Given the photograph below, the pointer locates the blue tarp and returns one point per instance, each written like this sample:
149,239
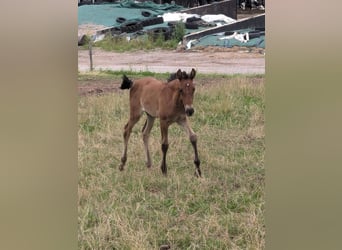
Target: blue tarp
106,14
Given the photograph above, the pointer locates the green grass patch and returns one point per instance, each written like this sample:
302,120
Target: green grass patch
139,208
112,75
117,74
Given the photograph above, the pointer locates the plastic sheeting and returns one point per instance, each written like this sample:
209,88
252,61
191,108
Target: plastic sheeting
240,38
107,14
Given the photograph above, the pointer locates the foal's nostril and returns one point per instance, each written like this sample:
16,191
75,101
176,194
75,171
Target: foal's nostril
189,111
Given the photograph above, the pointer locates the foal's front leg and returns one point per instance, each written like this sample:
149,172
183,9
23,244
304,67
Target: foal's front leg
193,139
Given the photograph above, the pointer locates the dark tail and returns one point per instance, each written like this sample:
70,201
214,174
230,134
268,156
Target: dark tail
126,83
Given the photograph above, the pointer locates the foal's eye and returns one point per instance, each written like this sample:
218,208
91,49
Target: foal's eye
180,91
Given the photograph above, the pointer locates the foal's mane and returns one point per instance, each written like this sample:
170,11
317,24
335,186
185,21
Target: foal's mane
173,76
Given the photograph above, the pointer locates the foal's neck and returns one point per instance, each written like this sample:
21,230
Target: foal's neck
174,84
174,92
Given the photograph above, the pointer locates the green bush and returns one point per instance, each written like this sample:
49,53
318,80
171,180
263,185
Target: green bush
179,31
142,42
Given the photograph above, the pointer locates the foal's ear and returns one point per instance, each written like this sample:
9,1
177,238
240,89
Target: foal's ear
179,74
192,74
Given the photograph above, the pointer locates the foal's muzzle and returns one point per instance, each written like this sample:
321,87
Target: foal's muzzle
189,111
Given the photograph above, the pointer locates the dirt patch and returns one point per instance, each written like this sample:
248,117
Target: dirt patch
97,87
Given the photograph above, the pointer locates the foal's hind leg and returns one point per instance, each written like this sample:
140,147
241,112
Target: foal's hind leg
146,134
127,132
193,139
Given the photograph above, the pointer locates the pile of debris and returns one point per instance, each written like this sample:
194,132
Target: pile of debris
131,19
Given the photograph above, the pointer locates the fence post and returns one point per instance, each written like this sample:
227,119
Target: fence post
91,52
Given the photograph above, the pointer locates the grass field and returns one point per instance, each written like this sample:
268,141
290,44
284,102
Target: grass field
139,208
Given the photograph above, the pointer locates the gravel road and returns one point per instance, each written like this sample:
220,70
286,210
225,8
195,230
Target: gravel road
209,60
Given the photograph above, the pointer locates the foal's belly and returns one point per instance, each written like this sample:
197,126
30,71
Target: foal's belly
150,108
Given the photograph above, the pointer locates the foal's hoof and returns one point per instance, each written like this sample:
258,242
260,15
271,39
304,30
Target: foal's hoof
165,247
198,173
121,167
163,169
164,173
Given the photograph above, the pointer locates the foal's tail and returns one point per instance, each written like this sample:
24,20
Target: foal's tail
126,83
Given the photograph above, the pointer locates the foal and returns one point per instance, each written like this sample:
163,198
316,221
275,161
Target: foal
171,102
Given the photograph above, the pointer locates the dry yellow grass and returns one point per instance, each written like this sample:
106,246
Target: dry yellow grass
140,209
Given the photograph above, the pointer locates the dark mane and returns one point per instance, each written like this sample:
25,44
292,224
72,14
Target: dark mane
173,76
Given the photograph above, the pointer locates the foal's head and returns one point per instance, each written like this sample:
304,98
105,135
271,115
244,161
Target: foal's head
186,89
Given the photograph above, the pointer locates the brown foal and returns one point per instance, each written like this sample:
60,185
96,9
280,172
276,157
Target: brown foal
170,102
